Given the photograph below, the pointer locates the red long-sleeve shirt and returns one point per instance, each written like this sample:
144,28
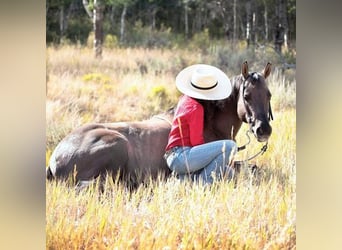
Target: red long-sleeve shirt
187,124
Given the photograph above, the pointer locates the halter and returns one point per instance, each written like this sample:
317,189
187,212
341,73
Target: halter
249,121
248,111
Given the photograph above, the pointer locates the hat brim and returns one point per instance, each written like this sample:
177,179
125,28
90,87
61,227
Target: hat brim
221,91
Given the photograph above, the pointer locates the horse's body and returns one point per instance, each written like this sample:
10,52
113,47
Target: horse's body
134,150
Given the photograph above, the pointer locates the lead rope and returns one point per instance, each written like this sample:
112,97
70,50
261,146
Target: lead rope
262,150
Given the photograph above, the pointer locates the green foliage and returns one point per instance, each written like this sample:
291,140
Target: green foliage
290,56
206,20
146,37
227,58
158,91
160,99
97,78
110,41
90,39
78,30
200,41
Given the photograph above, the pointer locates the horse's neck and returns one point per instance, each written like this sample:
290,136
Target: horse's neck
230,111
226,122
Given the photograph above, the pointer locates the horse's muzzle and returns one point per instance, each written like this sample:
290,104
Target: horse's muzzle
262,130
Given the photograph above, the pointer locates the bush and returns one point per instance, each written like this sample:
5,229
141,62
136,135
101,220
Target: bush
110,41
229,59
146,37
160,99
97,78
78,30
200,41
90,39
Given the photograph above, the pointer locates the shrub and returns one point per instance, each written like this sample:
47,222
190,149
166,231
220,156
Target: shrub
96,78
110,41
90,39
146,37
200,41
160,99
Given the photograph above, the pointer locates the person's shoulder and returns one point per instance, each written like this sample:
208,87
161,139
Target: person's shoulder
187,105
188,101
193,105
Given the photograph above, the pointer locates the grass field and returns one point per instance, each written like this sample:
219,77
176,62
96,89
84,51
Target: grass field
133,84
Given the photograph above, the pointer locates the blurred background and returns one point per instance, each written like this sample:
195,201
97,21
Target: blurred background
268,25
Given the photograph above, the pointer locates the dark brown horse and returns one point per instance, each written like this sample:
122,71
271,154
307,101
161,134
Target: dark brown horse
134,150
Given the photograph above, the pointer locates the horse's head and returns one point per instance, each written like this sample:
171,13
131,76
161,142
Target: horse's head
254,105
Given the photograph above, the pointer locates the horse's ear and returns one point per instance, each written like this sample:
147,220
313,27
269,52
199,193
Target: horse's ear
244,70
267,70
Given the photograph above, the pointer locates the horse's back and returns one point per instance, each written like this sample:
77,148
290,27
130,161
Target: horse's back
135,149
89,151
147,141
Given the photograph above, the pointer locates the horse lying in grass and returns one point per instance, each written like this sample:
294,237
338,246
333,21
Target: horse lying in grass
133,151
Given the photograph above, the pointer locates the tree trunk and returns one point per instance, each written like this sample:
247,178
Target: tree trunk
265,21
234,22
61,22
122,27
111,18
64,17
281,26
254,33
248,22
283,18
154,9
186,21
87,9
98,27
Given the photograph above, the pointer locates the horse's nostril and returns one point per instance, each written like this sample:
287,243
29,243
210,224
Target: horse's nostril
259,131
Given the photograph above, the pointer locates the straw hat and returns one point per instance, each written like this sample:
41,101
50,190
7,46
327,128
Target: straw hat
202,81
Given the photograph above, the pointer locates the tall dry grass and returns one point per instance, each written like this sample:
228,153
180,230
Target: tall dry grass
133,84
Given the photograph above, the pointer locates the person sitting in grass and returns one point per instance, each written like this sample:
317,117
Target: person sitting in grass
187,154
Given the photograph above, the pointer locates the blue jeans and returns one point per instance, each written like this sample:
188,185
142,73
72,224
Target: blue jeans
203,161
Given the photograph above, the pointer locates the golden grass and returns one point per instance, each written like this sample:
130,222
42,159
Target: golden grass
171,215
164,214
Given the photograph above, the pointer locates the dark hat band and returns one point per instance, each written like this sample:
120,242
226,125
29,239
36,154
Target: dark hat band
204,88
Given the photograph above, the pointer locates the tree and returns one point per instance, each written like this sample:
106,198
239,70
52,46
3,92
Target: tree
281,26
63,12
95,11
186,18
124,4
265,21
249,20
98,27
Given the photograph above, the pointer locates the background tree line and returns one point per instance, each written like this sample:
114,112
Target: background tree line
157,23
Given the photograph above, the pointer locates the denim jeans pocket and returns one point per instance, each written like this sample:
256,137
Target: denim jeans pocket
176,161
172,157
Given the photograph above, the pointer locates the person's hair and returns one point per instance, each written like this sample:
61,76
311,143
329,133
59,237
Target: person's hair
210,107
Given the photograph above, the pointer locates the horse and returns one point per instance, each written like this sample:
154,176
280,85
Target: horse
133,151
